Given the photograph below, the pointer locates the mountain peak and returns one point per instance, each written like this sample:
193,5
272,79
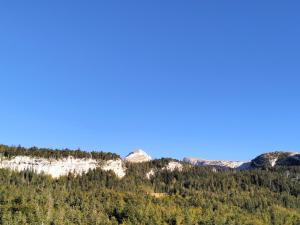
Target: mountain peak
281,158
137,156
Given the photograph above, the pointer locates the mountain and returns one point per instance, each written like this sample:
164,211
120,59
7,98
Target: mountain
103,188
137,156
266,160
57,163
278,158
215,163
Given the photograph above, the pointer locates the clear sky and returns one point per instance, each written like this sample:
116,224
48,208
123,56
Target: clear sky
210,79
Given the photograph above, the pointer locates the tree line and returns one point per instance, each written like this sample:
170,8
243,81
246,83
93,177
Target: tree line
11,151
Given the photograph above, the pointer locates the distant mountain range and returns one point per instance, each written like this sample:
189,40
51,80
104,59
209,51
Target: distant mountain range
78,162
271,159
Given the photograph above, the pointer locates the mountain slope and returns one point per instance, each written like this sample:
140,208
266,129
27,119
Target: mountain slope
159,191
278,158
62,162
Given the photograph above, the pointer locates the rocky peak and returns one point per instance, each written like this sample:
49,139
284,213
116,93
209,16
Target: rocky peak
137,156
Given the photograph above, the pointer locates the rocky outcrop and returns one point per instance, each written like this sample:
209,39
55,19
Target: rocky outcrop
150,174
64,166
171,166
191,160
117,166
53,167
137,157
215,163
61,167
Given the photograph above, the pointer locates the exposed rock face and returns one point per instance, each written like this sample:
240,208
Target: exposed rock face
53,167
116,166
150,173
191,160
78,166
173,166
137,157
272,159
215,163
60,167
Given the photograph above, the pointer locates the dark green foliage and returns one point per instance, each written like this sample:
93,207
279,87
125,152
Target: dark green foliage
196,195
10,151
291,160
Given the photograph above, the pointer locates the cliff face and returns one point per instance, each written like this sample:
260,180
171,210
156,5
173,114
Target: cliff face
65,165
117,166
61,167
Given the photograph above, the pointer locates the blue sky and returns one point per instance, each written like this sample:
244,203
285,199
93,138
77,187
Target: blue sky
212,79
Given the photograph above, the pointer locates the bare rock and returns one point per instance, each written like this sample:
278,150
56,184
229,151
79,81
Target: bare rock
137,157
215,163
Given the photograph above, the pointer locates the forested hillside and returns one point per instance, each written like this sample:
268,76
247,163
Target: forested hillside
196,195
